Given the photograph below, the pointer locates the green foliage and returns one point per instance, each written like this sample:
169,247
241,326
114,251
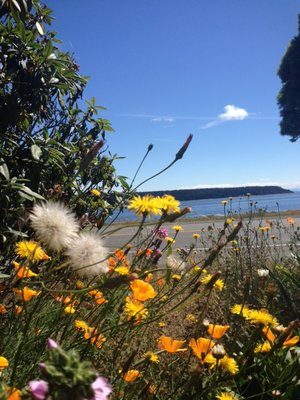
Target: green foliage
67,375
51,142
289,95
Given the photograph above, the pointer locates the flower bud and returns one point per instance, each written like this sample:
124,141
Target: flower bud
183,149
38,389
51,344
218,351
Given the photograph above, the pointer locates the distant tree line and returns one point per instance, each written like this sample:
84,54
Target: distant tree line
215,193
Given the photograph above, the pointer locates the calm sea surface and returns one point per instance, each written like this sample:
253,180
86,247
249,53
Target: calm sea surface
271,202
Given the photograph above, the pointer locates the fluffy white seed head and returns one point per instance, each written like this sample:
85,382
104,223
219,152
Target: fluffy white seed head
218,351
88,256
176,264
54,224
263,273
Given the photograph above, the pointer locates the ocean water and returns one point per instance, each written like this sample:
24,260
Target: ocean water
270,203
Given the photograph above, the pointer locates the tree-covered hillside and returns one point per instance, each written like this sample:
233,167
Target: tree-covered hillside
214,193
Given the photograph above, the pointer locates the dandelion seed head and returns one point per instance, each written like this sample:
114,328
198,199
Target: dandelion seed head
175,263
88,255
54,224
263,273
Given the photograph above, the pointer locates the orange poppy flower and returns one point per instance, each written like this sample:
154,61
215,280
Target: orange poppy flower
201,347
269,334
23,272
94,337
99,298
3,309
119,254
170,345
142,291
13,394
112,262
291,221
149,252
149,277
3,363
289,341
26,293
161,282
217,331
131,375
18,309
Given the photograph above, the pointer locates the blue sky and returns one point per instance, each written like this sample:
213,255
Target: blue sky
167,68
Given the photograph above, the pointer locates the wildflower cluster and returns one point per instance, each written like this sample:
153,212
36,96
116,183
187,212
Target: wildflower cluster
149,205
216,318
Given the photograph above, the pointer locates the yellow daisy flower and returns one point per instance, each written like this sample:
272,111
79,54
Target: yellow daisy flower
152,357
226,396
170,240
229,364
146,205
96,192
168,204
134,309
219,284
177,228
122,270
31,251
261,317
264,347
240,309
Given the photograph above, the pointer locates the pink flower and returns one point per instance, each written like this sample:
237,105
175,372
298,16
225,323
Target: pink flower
38,389
101,388
161,233
42,366
51,344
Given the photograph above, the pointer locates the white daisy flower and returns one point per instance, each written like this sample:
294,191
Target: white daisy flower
54,224
88,256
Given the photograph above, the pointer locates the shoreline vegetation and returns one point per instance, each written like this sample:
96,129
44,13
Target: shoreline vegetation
215,193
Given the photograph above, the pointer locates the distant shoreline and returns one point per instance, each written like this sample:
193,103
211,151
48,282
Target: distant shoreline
216,193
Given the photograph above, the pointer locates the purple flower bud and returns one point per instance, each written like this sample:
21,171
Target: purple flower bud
42,366
51,344
38,389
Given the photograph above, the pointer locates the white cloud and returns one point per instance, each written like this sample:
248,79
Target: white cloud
232,113
163,119
209,186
